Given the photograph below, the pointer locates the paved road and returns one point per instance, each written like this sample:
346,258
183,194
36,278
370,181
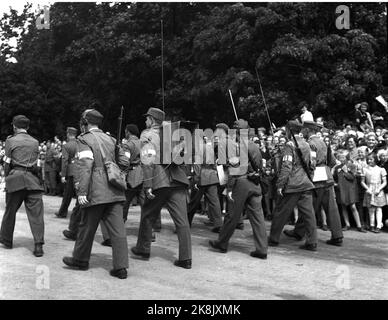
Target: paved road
359,270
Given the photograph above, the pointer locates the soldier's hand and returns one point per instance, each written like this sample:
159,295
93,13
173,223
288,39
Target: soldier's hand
149,194
63,179
196,187
280,192
82,200
230,196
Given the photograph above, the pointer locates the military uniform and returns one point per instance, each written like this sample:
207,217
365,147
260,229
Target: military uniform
247,197
297,191
324,195
50,170
22,184
168,184
134,175
206,178
69,151
104,200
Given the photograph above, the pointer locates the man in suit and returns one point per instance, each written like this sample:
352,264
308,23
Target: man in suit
164,185
23,184
324,195
100,199
294,188
67,172
244,194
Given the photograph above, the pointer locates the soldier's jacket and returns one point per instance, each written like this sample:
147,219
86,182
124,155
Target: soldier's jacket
292,177
135,173
69,151
158,175
205,174
318,146
21,163
91,178
255,161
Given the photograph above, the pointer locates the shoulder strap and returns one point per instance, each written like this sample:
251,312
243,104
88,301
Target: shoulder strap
99,145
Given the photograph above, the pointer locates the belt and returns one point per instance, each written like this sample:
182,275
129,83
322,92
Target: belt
20,168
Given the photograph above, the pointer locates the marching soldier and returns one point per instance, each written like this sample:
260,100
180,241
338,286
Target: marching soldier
50,169
69,151
134,176
100,199
206,183
324,195
76,214
164,185
294,188
135,173
244,194
22,184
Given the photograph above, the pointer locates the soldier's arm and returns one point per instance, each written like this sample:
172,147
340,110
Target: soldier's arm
65,161
196,173
84,167
7,157
147,153
286,167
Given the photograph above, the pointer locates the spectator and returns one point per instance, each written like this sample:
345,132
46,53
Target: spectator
362,116
374,179
306,114
345,177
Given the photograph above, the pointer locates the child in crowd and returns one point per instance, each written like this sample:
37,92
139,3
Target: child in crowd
360,165
374,179
345,176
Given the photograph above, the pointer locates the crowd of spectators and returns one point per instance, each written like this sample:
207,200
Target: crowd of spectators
360,147
361,151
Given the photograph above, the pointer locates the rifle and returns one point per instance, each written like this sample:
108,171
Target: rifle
234,108
118,140
265,105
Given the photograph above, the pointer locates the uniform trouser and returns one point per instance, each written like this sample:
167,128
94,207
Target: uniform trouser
68,194
211,194
130,194
112,215
51,178
283,210
324,197
34,208
75,219
175,199
246,197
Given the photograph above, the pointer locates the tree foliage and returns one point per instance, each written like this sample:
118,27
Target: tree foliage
111,53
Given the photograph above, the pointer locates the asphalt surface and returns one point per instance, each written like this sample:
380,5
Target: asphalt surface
358,270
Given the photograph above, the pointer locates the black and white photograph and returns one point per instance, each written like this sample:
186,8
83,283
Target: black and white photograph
207,152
